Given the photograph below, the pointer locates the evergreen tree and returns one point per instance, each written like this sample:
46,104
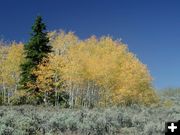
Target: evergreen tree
35,50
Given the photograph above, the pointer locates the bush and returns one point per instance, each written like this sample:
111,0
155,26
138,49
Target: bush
135,119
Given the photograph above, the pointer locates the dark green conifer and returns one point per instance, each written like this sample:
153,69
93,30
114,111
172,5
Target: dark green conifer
35,50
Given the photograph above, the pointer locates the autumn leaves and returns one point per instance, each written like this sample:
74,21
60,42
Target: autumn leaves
103,72
89,73
93,72
10,59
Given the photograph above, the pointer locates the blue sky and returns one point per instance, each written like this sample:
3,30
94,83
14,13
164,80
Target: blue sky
151,28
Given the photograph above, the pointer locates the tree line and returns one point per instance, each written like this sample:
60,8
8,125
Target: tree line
57,68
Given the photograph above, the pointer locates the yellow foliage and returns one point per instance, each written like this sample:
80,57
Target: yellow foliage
121,77
48,73
61,41
99,72
168,103
10,59
11,64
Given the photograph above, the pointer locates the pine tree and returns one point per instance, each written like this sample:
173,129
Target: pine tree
35,50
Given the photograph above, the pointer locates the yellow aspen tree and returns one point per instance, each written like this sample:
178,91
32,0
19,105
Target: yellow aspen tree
49,80
61,41
12,66
106,68
11,69
3,55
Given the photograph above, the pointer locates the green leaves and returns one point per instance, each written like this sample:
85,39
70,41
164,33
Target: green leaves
35,50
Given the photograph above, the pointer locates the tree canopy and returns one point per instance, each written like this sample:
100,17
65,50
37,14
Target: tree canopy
60,69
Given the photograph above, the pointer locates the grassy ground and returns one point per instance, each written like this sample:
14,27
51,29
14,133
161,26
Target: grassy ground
133,120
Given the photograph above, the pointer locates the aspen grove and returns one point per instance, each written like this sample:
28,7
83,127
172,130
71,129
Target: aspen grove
95,72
